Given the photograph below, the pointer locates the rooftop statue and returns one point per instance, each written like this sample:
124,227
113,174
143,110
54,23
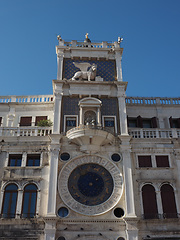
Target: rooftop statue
85,74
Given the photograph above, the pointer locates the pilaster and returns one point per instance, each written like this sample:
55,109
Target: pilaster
60,56
118,66
54,156
57,108
122,109
127,171
11,117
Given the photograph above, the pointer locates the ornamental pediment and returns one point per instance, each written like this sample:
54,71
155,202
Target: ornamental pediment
89,101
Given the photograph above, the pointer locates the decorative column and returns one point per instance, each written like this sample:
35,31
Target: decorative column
98,117
57,108
118,65
127,171
122,109
80,116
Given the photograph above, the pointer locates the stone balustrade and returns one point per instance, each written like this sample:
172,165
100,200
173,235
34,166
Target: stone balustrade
89,44
129,100
152,101
44,131
27,99
25,131
154,133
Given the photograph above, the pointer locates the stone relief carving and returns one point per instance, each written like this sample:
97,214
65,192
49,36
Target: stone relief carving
85,74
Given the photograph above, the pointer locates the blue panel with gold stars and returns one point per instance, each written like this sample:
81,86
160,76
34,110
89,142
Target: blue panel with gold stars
105,68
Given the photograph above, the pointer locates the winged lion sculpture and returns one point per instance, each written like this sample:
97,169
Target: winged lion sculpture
85,74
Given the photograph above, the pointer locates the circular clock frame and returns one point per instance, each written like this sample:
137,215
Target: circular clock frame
105,166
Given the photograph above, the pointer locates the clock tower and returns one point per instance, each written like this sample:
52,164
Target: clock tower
90,192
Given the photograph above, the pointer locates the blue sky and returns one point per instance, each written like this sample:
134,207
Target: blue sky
150,28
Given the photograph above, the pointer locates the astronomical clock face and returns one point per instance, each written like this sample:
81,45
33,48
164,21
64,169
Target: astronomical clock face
90,185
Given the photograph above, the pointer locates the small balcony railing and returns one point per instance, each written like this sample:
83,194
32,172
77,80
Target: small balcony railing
154,133
84,127
25,131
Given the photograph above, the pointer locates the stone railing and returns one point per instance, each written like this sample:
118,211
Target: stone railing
154,133
84,127
152,101
25,131
89,44
27,99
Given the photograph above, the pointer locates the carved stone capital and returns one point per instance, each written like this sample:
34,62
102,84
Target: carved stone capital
58,94
60,54
11,116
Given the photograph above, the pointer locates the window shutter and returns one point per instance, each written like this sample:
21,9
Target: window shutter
149,202
168,201
139,122
25,121
162,161
0,120
154,122
171,122
39,118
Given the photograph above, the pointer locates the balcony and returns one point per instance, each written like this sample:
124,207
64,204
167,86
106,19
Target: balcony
91,136
25,131
154,133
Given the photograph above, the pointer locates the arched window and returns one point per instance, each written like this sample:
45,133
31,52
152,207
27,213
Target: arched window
149,202
29,201
168,201
10,201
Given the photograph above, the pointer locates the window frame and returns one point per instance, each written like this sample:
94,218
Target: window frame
140,121
174,121
115,122
5,192
161,155
29,192
153,160
69,116
144,155
143,200
14,154
33,156
29,117
164,201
